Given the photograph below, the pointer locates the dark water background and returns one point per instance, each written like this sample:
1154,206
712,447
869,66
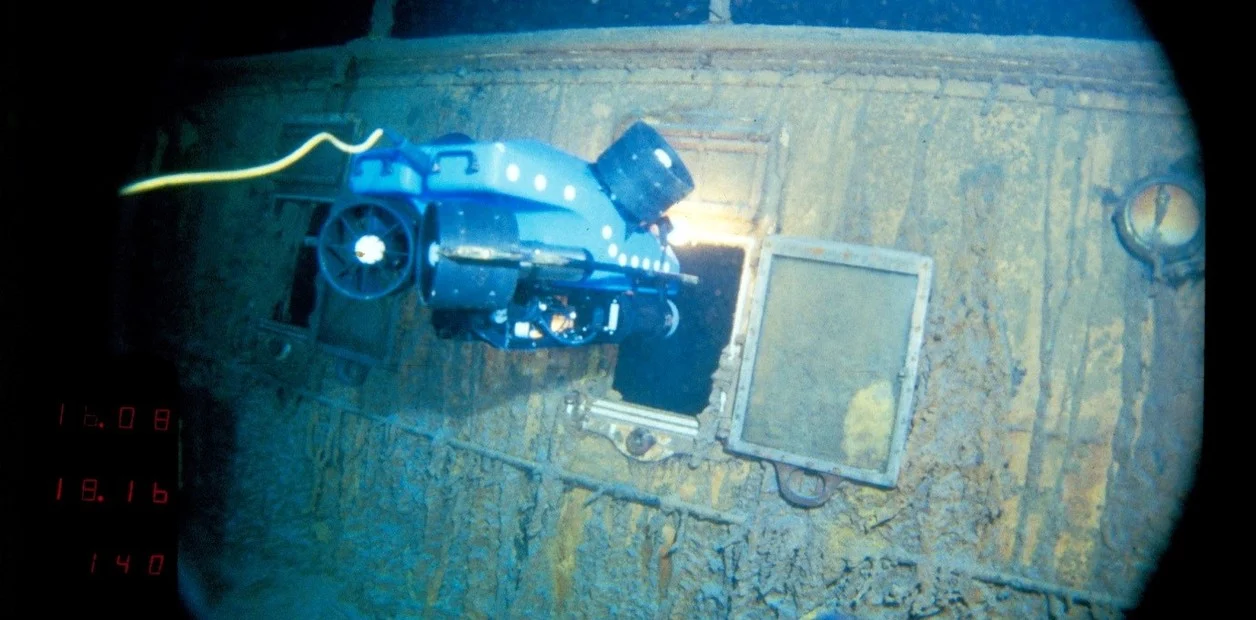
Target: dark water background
234,27
1100,19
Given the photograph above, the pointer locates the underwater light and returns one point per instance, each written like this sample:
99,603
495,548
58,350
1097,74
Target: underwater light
691,223
681,233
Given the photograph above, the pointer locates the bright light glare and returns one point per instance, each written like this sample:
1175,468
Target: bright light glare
680,234
694,224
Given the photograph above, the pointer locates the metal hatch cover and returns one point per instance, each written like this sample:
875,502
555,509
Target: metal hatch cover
828,372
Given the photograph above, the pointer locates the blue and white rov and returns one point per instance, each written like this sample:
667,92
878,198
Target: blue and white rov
514,243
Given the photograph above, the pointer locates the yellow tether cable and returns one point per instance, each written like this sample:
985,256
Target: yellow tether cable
188,178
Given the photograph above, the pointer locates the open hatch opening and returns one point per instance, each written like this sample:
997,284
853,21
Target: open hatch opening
675,374
303,294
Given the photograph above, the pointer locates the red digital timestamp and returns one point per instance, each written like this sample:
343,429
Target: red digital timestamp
89,490
120,564
124,418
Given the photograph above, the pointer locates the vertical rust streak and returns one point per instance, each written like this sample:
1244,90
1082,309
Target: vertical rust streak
854,175
1043,554
1077,254
1033,469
